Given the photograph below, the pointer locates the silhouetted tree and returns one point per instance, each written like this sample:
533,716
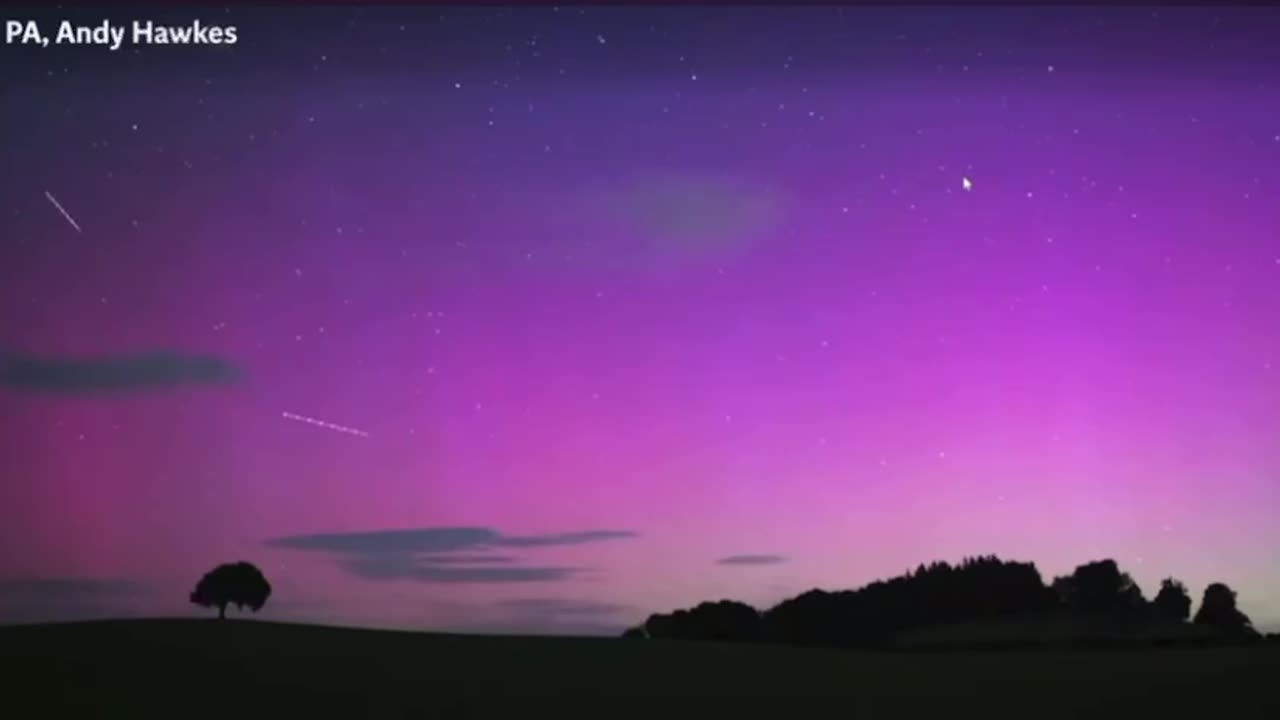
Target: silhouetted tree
635,633
725,621
1173,602
240,584
1099,587
977,588
1218,610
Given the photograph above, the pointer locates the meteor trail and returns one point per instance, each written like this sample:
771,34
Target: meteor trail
323,424
62,210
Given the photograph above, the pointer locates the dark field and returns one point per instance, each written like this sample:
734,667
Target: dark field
243,669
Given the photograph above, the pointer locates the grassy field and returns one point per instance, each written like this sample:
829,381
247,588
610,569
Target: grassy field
242,669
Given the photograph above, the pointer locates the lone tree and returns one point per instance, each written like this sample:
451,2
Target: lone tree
1218,610
1173,602
240,584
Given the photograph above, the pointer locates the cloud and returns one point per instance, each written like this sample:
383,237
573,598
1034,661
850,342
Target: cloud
551,606
67,586
525,627
433,540
706,210
53,599
442,539
443,554
658,220
430,570
751,560
472,559
575,538
102,374
545,616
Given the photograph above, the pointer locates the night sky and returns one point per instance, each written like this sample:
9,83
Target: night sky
611,311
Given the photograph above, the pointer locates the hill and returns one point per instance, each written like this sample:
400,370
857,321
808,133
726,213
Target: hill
243,669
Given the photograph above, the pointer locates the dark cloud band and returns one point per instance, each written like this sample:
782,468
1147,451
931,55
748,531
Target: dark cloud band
751,560
124,372
433,555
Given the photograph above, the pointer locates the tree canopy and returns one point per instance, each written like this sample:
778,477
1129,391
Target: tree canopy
1218,610
1173,602
240,584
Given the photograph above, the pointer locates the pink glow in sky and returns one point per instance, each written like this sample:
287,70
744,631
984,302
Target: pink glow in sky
710,288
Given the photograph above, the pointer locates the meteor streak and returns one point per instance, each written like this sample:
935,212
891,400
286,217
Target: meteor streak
323,424
62,210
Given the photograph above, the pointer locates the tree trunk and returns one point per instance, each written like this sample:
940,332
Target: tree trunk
222,612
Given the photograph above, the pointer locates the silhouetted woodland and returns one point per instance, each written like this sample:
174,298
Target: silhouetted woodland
1096,600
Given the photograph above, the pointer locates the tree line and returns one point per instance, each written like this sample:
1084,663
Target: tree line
1097,596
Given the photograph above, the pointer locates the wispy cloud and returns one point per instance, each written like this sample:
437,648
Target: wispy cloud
437,539
573,538
546,616
52,599
662,220
444,554
430,570
472,559
425,540
112,373
560,606
751,560
684,209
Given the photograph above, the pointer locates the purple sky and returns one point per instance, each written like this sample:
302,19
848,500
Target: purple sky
619,294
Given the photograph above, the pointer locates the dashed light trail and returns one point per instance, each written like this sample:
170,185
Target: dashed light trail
63,210
323,424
